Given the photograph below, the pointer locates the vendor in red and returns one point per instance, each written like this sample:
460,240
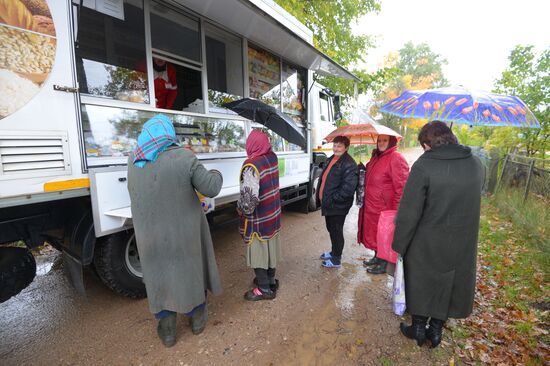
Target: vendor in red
166,87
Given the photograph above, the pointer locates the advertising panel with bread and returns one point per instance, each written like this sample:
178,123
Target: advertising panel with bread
27,51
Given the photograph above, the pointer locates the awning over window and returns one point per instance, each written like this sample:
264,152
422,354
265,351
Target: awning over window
262,23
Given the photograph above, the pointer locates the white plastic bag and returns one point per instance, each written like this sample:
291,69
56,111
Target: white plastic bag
399,304
208,204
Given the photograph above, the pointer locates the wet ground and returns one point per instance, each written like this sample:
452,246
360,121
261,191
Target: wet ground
320,316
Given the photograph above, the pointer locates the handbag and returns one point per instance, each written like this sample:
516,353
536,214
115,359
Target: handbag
399,303
384,236
360,190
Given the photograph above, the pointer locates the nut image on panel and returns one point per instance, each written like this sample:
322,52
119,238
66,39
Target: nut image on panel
27,51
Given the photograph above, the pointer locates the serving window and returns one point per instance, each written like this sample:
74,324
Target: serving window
176,60
264,76
110,53
293,92
174,33
224,65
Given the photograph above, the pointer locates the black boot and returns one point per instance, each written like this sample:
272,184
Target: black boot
417,330
434,332
372,262
379,268
198,319
273,286
166,330
258,293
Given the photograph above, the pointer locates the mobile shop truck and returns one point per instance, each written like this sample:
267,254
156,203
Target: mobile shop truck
79,78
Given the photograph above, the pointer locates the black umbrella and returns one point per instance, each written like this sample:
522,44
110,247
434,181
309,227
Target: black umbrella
270,117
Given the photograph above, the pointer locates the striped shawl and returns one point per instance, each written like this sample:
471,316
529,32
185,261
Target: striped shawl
263,219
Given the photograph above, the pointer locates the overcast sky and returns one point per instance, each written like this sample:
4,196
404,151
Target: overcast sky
475,36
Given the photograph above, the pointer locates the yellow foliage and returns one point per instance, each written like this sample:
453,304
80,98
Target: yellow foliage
423,83
414,122
407,81
391,94
390,60
422,61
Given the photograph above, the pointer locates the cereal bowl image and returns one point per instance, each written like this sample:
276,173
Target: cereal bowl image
27,51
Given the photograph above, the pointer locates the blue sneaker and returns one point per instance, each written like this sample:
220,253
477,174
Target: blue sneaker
326,255
328,264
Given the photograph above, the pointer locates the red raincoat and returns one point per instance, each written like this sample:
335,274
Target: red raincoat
385,178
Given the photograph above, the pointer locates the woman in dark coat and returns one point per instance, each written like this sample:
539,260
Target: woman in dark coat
436,232
334,194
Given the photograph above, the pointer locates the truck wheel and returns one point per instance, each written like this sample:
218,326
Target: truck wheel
312,201
116,261
17,270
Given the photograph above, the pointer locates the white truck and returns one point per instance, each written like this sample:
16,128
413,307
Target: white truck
78,78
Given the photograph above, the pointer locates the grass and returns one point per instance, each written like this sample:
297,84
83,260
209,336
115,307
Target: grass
531,218
517,250
385,361
461,333
523,327
439,354
513,288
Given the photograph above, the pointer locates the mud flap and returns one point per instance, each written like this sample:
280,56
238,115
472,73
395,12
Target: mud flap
73,271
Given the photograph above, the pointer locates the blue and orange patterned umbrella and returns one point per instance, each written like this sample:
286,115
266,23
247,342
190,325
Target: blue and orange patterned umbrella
460,105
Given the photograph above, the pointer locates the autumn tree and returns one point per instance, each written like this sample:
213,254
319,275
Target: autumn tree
528,78
418,67
331,23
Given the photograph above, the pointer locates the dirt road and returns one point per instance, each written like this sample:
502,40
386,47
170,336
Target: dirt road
320,316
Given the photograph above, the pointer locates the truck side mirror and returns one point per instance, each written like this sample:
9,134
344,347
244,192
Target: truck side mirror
336,102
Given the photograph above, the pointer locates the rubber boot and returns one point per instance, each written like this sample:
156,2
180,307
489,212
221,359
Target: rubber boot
273,286
372,262
258,293
198,319
417,330
379,268
166,330
434,333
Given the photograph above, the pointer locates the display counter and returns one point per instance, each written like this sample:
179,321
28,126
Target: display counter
110,133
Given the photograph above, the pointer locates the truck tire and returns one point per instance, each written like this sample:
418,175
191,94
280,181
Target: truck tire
116,261
17,270
312,200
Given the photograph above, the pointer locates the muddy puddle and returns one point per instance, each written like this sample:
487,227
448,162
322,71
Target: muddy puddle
47,258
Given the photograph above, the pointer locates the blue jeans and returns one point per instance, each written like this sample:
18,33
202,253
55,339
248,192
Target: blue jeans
164,313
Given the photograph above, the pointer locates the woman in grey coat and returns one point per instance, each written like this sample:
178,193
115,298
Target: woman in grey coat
172,233
436,232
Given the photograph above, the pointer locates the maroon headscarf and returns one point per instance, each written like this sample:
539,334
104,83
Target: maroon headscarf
392,143
257,144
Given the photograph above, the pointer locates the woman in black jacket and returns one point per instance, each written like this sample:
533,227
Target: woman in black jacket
335,193
436,232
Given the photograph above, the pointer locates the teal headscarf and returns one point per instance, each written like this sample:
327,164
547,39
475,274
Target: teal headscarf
157,135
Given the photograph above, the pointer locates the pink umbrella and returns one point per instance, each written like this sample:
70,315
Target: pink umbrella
363,133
